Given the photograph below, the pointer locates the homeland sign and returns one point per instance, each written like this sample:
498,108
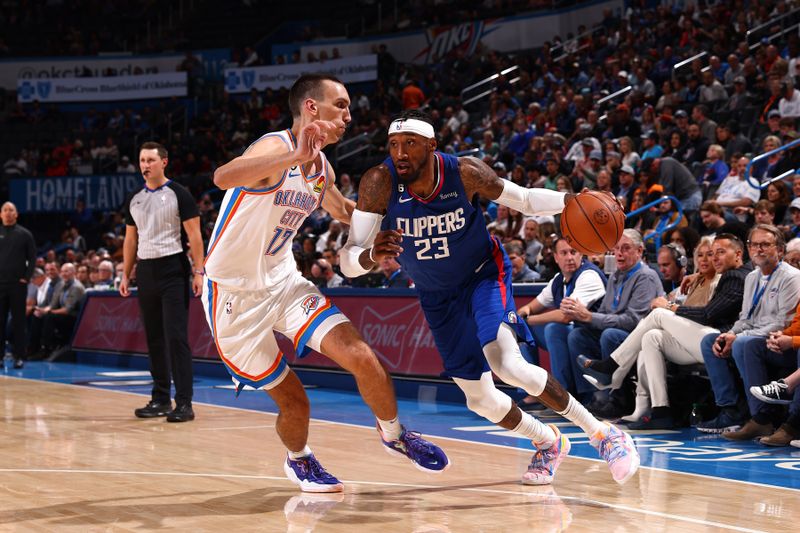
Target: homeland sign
103,193
349,70
140,87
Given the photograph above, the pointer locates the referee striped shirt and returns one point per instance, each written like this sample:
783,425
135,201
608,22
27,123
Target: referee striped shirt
158,215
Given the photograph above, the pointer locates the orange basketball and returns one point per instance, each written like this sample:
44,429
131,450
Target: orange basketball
592,222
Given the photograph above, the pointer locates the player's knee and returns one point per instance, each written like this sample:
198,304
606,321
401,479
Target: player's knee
493,406
484,399
361,360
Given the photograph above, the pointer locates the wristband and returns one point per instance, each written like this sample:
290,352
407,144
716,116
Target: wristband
201,272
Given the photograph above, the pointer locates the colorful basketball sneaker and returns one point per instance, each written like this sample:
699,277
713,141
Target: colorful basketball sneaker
309,475
545,462
425,455
618,450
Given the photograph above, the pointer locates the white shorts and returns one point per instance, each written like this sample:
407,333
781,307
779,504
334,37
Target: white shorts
243,325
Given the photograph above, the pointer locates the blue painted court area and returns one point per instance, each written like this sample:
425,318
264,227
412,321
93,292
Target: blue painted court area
684,451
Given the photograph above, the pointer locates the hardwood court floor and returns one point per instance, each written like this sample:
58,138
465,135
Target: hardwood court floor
75,459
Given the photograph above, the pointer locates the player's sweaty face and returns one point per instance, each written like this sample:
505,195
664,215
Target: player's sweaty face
409,153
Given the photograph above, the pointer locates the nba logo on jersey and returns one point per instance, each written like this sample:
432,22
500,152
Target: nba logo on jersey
319,185
228,308
512,317
310,303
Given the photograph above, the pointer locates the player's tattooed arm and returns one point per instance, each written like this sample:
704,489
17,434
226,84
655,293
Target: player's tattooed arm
478,178
374,190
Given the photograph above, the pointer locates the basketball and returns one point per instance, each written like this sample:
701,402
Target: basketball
592,222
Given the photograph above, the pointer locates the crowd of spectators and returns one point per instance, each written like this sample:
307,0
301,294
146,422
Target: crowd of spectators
688,133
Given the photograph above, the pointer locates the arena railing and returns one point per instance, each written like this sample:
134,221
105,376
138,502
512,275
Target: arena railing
609,98
350,147
752,36
656,235
486,81
759,185
687,61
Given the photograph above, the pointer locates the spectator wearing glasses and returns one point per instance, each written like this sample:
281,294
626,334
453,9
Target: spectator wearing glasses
629,292
771,293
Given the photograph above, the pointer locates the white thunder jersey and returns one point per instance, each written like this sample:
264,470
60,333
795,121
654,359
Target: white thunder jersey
251,247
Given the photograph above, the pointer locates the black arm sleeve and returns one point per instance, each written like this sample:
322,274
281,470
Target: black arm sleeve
187,207
126,210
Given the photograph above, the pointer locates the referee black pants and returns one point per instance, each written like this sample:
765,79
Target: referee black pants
12,298
164,303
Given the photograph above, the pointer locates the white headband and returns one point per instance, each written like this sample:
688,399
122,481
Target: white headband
411,125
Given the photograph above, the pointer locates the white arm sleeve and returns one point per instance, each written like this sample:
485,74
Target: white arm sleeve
531,201
364,226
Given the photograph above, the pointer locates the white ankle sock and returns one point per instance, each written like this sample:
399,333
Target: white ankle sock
543,436
305,452
392,429
578,414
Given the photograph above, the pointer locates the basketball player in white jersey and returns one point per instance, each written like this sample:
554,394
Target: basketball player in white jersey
253,288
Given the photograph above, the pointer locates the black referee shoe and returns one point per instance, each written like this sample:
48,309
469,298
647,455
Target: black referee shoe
182,413
154,409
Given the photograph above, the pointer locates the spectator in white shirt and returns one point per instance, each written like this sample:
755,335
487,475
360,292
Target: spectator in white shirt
789,105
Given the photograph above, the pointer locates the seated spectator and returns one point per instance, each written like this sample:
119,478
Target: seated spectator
773,165
673,332
771,293
666,214
789,105
763,212
125,166
586,174
579,279
332,237
533,246
694,152
44,296
673,265
323,271
105,276
393,274
686,237
629,156
715,169
676,180
652,148
735,191
731,140
520,271
714,222
604,182
793,253
629,292
61,313
792,231
82,275
627,188
778,193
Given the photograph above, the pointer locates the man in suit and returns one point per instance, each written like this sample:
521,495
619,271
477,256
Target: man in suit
62,312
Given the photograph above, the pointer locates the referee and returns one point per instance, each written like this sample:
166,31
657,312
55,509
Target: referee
18,253
156,219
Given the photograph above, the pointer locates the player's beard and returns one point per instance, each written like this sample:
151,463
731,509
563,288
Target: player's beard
414,174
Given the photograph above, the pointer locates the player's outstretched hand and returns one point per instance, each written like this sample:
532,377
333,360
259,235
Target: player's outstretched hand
387,244
316,135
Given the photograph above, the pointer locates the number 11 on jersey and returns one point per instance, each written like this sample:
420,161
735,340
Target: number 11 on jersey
278,240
